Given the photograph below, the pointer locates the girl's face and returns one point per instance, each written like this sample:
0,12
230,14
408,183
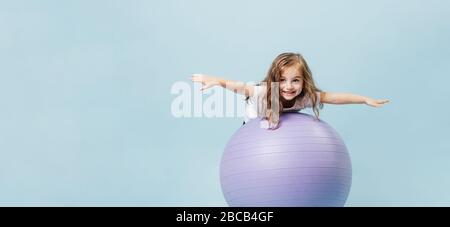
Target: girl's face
291,83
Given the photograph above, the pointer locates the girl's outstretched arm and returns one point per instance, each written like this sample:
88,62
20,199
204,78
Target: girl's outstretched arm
234,86
347,98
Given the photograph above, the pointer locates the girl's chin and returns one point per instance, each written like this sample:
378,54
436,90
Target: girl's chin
288,98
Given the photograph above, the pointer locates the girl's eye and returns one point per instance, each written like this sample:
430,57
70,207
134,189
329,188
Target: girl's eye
282,80
296,80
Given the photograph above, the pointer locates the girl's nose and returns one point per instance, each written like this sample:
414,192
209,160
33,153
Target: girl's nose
288,85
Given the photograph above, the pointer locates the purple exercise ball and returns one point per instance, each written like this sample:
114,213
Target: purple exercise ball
302,163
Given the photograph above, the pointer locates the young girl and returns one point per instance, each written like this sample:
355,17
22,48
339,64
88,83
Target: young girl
288,87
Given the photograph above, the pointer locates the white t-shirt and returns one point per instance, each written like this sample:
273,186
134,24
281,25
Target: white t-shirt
251,105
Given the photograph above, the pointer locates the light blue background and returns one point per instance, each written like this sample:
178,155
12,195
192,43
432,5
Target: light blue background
85,95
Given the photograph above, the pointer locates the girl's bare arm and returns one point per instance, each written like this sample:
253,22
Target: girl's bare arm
347,98
235,86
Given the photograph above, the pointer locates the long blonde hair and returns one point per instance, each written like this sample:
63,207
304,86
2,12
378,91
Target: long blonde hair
309,90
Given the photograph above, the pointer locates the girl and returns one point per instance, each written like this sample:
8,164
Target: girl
288,86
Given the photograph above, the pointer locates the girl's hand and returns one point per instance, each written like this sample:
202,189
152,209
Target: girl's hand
376,103
207,81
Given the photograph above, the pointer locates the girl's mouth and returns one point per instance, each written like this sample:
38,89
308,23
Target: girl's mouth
289,93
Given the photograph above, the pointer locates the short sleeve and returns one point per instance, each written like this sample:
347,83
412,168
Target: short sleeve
258,92
252,102
308,103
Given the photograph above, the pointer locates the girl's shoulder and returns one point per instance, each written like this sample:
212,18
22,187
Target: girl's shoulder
306,101
258,91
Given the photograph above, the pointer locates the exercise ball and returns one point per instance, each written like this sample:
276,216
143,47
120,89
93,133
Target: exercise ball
303,162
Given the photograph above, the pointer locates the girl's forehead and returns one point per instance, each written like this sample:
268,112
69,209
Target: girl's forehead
291,71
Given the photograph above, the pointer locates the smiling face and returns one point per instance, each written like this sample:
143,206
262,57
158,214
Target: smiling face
291,82
290,76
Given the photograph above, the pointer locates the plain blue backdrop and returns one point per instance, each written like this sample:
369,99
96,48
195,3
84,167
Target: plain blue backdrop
85,95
